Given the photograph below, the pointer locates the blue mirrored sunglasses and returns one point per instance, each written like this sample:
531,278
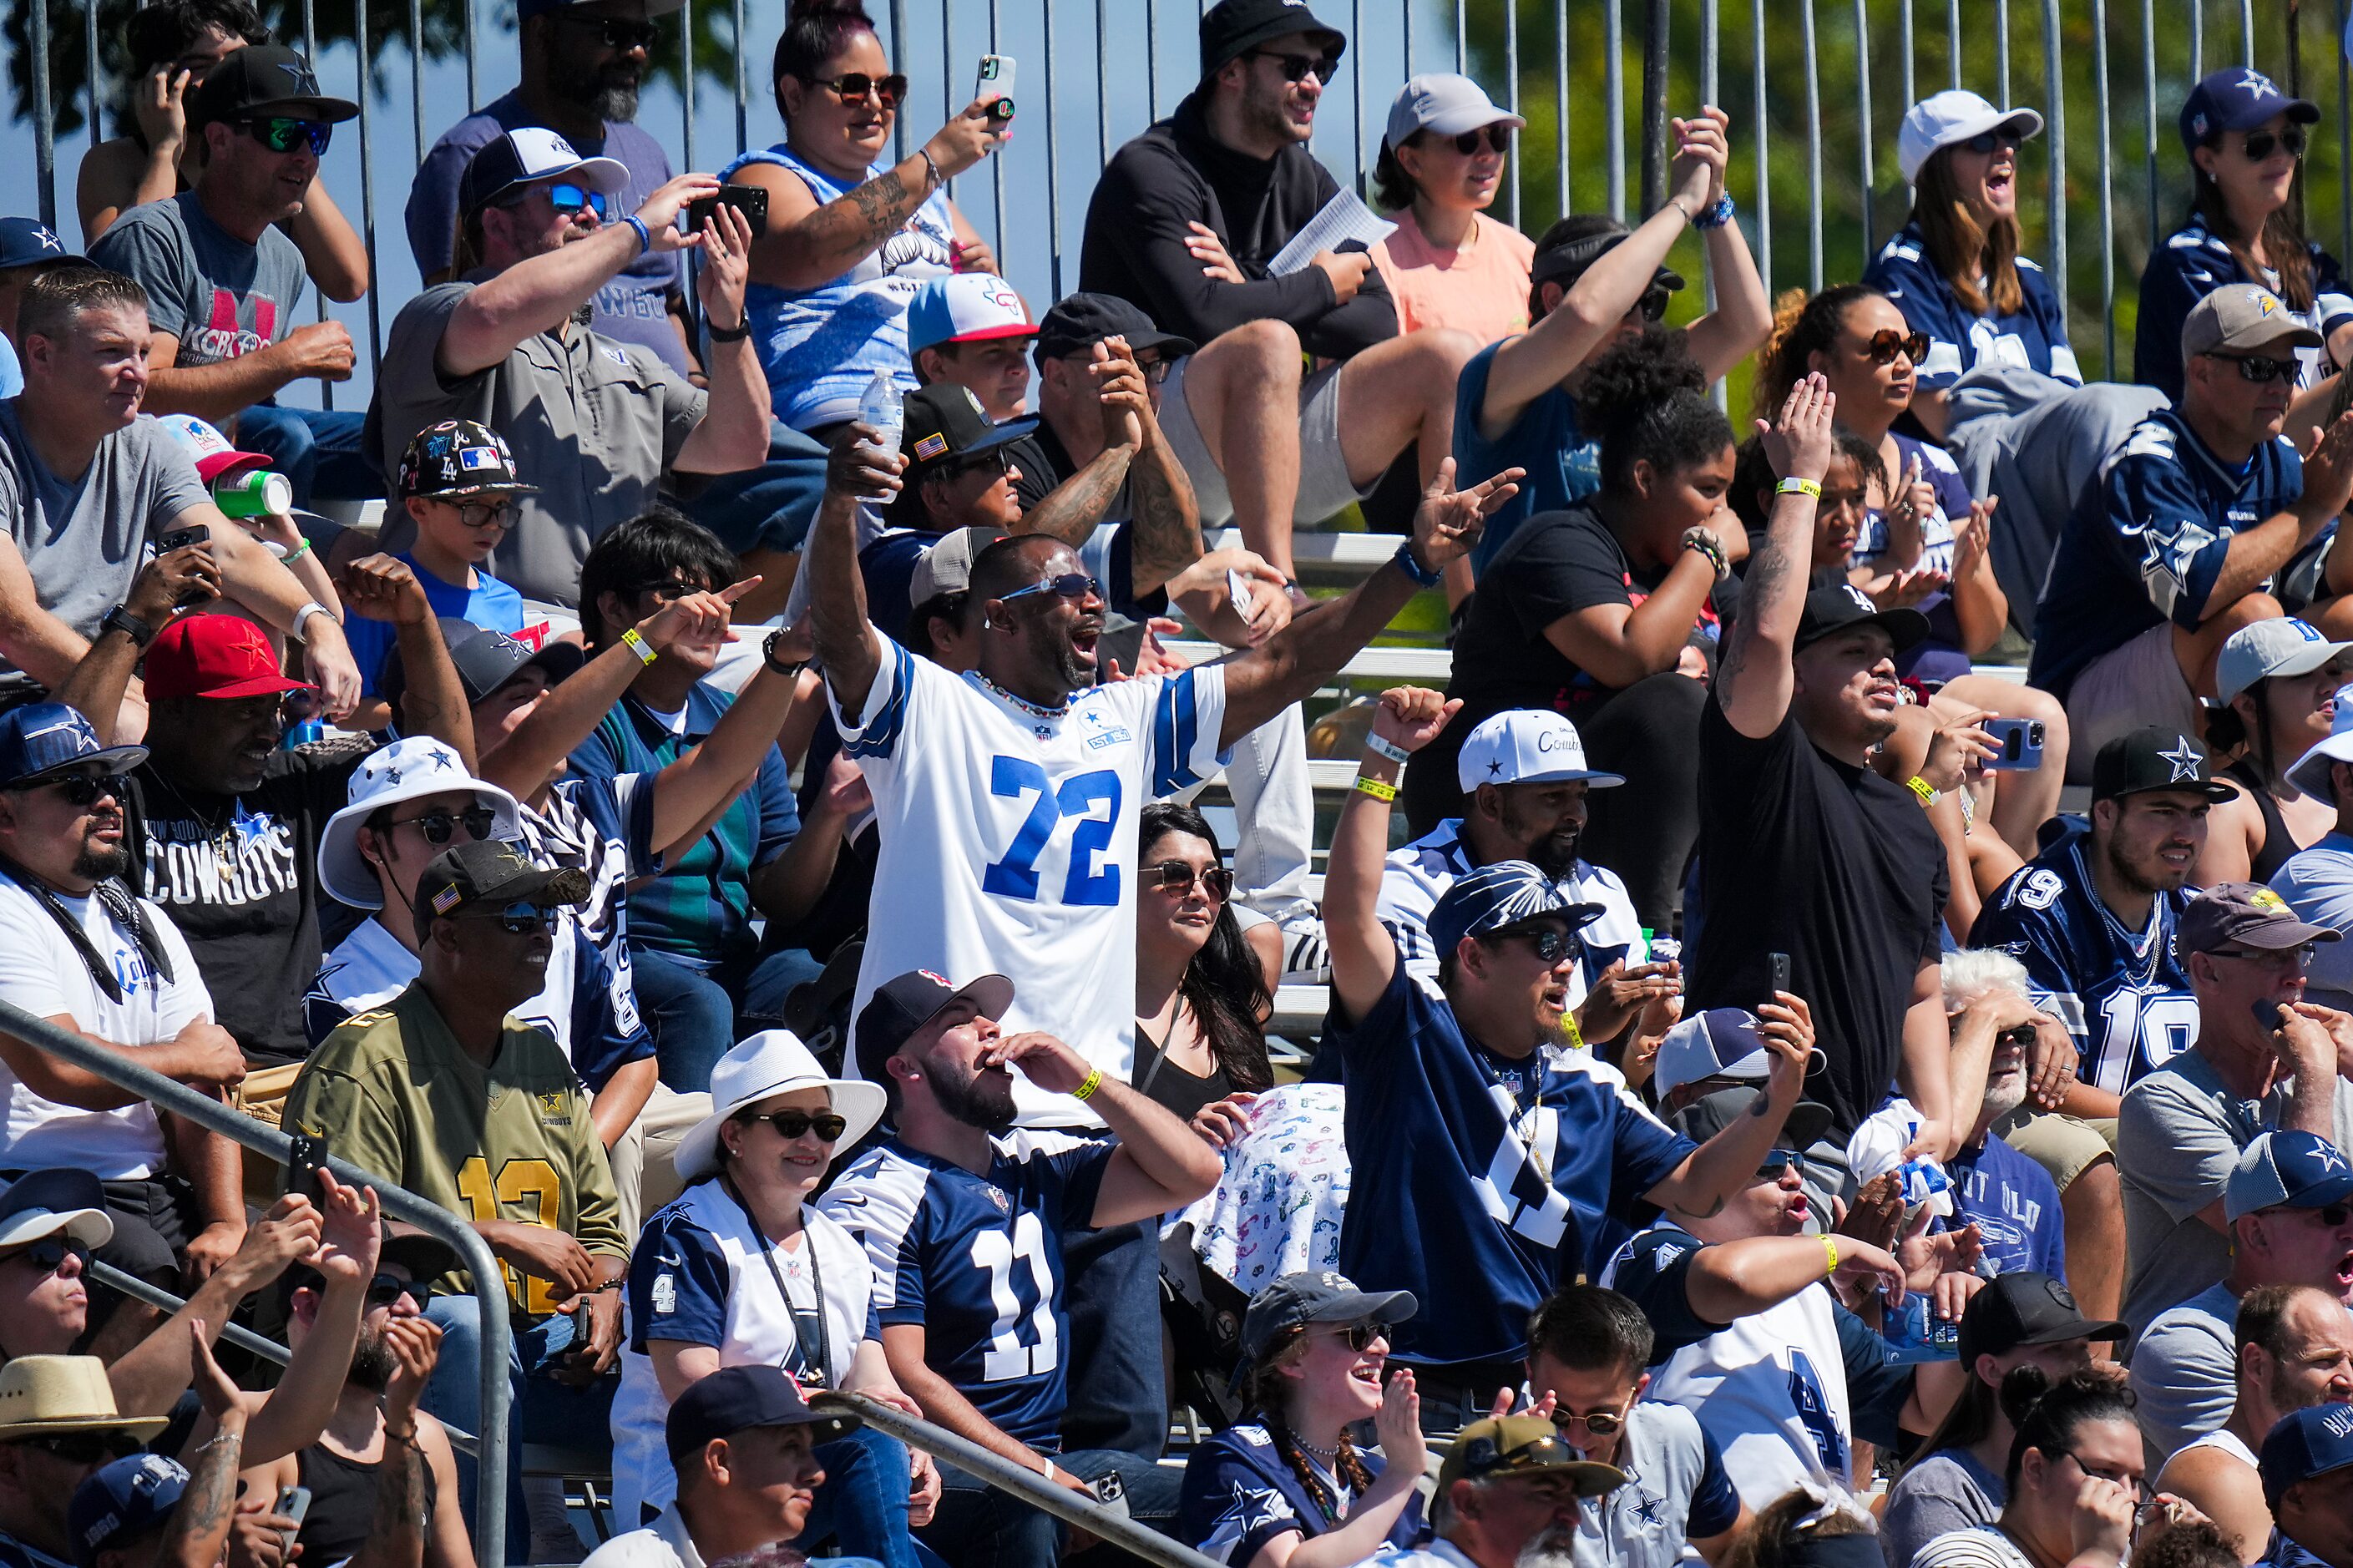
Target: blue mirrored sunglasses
1069,585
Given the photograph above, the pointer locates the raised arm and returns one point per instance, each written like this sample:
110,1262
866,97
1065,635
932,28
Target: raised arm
198,1528
1163,513
254,578
298,1410
1755,678
1161,1164
804,244
1311,650
847,647
1076,505
1364,954
1743,317
733,433
99,683
539,294
1727,1163
117,177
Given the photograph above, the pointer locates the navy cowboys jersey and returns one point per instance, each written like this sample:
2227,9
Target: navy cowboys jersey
2123,995
977,1263
1240,1495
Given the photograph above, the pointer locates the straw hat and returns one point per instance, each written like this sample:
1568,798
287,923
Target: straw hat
43,1395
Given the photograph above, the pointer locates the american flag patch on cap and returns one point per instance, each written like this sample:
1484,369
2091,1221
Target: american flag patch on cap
930,446
446,899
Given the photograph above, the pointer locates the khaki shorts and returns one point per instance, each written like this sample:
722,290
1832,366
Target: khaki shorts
2123,689
2066,1146
1324,488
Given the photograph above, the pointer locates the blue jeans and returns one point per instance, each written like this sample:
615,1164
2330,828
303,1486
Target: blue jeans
319,451
862,1504
1119,1394
696,1011
769,507
540,1409
978,1527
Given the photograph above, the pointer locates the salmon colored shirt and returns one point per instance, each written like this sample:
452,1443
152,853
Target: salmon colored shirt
1481,289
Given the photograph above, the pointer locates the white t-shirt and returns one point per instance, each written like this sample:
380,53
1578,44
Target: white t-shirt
664,1543
1009,841
41,972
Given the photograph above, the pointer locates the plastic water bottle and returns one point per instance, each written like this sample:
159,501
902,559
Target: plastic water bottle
879,406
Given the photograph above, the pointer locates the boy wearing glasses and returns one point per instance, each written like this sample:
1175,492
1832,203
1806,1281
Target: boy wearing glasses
223,280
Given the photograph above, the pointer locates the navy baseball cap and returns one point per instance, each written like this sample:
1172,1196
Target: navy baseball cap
2312,1442
45,738
2287,1169
1498,895
122,1501
901,1007
29,242
738,1399
1295,1300
2239,98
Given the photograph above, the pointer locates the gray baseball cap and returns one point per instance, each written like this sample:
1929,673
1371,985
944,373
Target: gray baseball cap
2243,316
946,566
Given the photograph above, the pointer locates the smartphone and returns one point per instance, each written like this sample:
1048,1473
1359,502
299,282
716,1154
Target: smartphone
308,1157
1777,976
181,538
1237,594
2018,743
2270,1013
750,200
996,85
294,1504
1111,1490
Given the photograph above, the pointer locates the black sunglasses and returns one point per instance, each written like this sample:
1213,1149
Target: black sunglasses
1887,343
515,919
84,1447
886,90
1999,136
49,1253
2019,1035
439,826
2260,368
1175,876
2259,145
1653,302
618,32
1552,944
669,590
1776,1163
283,133
87,789
1360,1337
790,1124
1497,136
995,460
386,1289
1069,585
1297,66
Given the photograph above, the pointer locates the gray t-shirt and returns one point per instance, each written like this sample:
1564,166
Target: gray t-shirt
2178,1134
1676,1489
2185,1372
83,540
219,296
593,421
1946,1491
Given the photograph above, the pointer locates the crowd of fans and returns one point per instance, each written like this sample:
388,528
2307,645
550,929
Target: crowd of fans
1791,1092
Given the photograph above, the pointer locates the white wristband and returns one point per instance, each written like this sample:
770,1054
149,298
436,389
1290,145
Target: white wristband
1382,746
294,627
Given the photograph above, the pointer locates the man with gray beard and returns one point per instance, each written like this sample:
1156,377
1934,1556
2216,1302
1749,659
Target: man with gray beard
581,62
80,950
1508,1498
380,1458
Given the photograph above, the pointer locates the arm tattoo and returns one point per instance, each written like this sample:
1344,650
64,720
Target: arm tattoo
200,1524
1166,521
883,206
1760,585
1072,510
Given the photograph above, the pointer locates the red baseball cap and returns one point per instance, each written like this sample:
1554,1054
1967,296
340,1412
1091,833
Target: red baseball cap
220,657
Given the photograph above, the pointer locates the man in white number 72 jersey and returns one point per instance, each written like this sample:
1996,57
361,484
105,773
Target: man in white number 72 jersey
1007,798
964,1231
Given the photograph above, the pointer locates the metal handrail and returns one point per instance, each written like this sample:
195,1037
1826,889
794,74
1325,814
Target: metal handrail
996,1470
489,1288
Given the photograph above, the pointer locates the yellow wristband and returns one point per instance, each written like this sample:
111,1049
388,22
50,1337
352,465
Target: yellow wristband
637,644
1374,787
1929,793
1794,486
1086,1090
1830,1250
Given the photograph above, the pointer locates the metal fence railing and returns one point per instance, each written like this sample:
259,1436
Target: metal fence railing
1816,88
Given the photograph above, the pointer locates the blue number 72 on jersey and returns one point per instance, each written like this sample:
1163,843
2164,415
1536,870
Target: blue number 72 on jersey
1016,875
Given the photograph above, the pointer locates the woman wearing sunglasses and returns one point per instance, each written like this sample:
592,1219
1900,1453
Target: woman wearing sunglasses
1201,998
1442,164
1288,1488
742,1270
1925,542
1959,264
2277,682
2245,139
850,236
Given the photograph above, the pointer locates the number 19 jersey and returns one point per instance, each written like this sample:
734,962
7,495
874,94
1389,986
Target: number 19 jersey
1009,841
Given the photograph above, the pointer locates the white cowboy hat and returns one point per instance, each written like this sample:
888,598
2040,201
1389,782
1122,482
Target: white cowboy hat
771,1063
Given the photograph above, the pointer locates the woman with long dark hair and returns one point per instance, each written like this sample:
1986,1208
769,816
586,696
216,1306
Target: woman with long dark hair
1201,1001
2277,682
1958,266
1287,1488
2246,138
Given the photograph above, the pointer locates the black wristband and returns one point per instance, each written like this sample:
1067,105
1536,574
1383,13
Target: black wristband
735,335
122,620
768,655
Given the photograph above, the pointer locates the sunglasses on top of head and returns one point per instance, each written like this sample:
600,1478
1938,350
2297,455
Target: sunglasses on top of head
620,33
283,133
1887,343
1294,68
851,86
1069,585
2261,144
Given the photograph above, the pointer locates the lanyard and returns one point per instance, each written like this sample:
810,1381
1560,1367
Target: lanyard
823,1371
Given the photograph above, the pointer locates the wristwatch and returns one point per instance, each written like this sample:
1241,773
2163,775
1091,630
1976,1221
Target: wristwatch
120,619
768,655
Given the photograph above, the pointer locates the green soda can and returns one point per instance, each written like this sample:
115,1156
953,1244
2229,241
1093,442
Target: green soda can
258,493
